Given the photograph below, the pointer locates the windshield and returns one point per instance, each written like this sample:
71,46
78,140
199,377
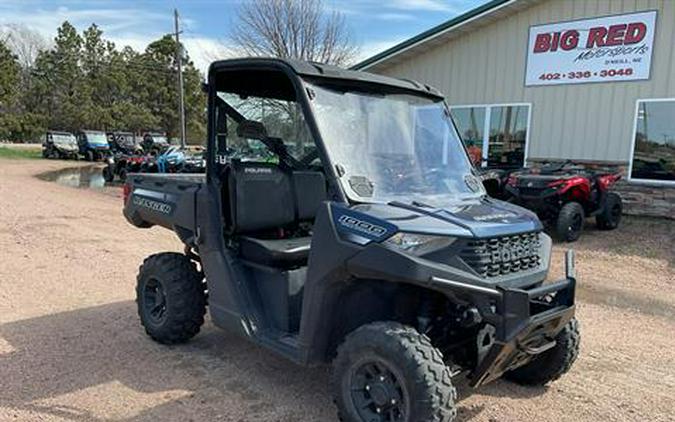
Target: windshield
393,147
63,139
159,139
97,138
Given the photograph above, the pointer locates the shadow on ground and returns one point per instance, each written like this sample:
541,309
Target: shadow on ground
96,364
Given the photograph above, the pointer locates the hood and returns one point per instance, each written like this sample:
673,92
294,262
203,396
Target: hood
66,146
480,217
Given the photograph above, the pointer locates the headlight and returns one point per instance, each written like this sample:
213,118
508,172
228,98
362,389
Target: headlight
418,244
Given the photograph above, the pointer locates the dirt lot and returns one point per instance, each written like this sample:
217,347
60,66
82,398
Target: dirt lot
71,347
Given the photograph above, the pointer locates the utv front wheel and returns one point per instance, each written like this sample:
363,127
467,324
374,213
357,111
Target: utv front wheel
170,297
108,175
570,222
386,371
610,216
552,364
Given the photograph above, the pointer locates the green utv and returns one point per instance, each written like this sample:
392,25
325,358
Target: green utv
362,237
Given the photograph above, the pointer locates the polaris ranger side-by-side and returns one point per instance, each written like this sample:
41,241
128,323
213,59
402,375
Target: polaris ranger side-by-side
93,145
366,240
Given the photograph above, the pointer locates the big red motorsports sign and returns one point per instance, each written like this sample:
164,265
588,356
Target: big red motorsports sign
606,49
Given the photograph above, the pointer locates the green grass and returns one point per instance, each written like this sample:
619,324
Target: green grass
20,153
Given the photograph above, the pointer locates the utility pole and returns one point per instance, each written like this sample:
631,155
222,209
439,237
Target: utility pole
181,98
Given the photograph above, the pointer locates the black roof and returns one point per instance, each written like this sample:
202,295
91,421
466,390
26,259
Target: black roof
325,71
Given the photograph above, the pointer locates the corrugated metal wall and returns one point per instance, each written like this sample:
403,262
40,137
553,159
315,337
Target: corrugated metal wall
585,121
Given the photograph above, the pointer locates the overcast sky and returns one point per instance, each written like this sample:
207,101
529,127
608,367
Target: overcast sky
375,24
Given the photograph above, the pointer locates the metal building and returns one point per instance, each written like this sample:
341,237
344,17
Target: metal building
527,81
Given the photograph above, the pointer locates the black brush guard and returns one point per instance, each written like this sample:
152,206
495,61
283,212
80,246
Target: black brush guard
526,322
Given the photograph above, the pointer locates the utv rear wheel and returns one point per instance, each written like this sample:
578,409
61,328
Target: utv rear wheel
170,297
386,371
610,216
570,222
552,364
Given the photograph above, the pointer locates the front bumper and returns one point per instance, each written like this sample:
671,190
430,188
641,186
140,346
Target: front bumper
526,322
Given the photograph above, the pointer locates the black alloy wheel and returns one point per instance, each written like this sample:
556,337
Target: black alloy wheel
154,301
377,393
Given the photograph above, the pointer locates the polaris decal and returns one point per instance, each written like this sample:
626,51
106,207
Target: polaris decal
258,170
151,204
508,253
360,228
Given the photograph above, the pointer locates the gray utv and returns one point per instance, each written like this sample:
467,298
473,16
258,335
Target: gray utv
60,145
362,236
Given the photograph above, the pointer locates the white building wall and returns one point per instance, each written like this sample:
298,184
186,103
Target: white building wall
591,121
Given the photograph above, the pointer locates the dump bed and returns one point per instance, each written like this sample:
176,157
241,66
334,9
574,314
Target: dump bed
167,200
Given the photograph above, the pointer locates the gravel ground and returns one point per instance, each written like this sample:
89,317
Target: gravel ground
72,349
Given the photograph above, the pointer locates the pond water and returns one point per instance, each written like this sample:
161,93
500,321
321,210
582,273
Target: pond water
88,177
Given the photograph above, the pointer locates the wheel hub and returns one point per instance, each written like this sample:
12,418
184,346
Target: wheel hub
381,394
377,394
154,301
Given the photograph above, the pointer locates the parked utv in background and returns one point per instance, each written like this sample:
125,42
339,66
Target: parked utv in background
59,145
154,142
124,143
374,247
93,145
564,194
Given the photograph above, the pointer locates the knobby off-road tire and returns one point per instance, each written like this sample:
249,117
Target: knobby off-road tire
570,222
552,364
610,217
170,297
392,368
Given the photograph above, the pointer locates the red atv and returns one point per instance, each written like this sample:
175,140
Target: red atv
122,164
563,195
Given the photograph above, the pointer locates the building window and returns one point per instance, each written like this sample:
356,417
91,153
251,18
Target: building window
653,155
495,135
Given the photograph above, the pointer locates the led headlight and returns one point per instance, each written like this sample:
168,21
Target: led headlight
418,244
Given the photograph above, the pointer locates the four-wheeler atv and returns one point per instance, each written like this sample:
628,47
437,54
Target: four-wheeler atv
59,145
121,164
564,194
154,142
93,145
321,255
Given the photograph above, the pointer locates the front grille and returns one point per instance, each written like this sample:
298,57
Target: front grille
500,256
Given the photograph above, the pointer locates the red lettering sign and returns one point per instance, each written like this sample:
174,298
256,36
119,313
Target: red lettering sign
635,33
542,43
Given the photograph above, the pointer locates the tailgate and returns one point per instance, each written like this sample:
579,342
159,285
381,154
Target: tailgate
167,200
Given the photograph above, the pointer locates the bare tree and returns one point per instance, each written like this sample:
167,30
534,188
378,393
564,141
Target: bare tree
299,29
24,42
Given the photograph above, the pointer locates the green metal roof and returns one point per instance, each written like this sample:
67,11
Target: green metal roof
430,33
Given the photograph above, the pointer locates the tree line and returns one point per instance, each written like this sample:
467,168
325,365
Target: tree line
86,82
